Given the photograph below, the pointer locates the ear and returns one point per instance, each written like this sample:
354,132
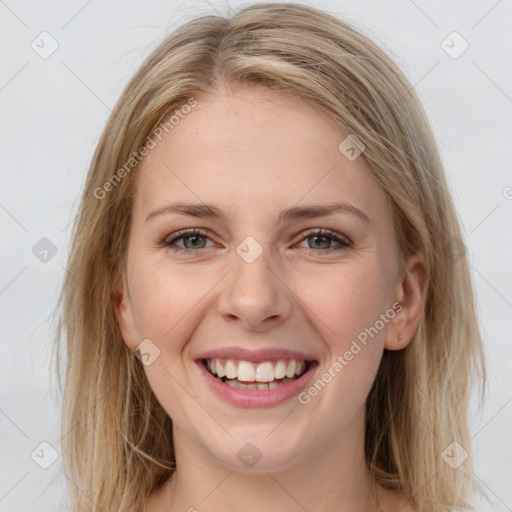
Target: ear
123,309
410,295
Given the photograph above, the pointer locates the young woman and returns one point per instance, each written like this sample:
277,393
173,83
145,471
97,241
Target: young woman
266,306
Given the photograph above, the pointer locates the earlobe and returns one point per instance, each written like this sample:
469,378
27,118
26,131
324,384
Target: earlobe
123,309
410,295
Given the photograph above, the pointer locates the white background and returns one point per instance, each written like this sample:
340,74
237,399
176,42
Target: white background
53,110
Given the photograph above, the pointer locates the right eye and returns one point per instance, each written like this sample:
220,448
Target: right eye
192,239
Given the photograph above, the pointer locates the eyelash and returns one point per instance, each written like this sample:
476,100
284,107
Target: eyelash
343,242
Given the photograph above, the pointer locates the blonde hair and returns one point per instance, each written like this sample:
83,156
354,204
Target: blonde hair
117,439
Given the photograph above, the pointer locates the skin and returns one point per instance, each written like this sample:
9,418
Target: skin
253,152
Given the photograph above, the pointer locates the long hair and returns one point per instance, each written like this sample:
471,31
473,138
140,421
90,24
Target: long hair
116,438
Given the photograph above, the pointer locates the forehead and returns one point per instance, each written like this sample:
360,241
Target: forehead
255,150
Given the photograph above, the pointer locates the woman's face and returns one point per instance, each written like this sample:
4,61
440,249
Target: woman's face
261,290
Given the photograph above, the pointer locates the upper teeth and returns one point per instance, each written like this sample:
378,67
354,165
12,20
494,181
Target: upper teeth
266,371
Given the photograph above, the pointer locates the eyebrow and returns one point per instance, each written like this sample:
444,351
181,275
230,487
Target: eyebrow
205,210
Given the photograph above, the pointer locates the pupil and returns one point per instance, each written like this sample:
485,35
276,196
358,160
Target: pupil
316,237
195,239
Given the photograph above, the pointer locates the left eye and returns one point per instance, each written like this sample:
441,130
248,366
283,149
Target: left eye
321,240
321,237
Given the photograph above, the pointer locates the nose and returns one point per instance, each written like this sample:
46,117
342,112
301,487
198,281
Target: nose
255,296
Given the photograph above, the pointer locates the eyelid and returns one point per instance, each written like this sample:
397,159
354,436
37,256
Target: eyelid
338,237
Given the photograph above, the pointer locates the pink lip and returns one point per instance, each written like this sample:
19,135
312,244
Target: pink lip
254,356
254,398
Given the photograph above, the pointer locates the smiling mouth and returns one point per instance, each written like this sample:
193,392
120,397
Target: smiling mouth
256,376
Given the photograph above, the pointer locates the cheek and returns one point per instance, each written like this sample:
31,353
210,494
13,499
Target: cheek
168,300
345,306
344,301
345,315
169,303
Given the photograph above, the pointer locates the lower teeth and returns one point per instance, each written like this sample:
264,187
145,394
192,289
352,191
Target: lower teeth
235,383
